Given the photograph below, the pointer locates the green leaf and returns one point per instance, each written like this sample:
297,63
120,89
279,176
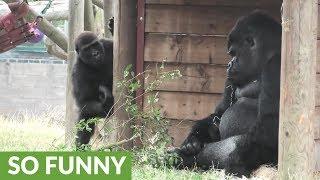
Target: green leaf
127,71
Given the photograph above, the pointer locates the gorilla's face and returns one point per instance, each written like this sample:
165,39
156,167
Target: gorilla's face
94,54
252,43
90,50
244,65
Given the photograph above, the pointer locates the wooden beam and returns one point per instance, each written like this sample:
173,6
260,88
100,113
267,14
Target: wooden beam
99,23
201,20
297,101
125,41
186,49
76,26
195,105
140,47
317,156
57,15
47,28
98,3
50,31
88,16
55,50
200,78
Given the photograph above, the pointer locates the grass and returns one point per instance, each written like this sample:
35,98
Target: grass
147,172
27,131
45,132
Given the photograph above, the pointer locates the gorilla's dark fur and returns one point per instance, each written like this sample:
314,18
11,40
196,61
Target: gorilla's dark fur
92,79
111,25
242,133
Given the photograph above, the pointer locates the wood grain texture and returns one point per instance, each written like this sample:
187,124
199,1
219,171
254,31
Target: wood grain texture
244,3
195,78
76,27
200,19
179,130
124,53
317,152
195,19
297,101
191,49
316,124
186,106
186,49
318,56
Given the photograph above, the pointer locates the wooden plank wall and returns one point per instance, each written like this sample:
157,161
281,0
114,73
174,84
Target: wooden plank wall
191,36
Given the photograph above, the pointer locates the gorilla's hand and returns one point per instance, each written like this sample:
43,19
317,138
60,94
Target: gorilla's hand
192,145
204,131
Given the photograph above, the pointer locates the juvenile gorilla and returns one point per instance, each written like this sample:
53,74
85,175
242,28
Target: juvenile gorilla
247,135
92,79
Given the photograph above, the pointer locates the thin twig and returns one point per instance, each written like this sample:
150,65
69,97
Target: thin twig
119,143
121,106
118,100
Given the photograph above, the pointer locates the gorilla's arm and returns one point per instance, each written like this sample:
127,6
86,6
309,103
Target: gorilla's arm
266,130
207,129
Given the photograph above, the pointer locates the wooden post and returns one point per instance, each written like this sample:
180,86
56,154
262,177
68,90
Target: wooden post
76,26
88,16
57,16
108,13
125,41
99,24
98,3
49,30
297,101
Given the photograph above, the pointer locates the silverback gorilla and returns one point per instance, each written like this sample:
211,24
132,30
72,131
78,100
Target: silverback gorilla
242,133
92,79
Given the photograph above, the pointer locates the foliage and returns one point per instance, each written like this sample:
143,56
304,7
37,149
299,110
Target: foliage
149,124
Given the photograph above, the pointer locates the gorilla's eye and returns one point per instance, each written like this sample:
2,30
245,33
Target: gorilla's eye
250,41
95,53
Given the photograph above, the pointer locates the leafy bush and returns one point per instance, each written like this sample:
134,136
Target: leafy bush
149,125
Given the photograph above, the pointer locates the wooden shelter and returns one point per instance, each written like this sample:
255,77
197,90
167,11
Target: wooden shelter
191,37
